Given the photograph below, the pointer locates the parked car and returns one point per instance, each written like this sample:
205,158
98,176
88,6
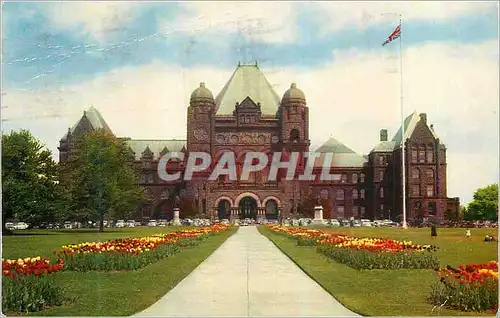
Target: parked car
137,223
68,225
152,223
21,226
366,223
130,223
10,226
357,223
224,221
120,223
334,222
162,223
346,223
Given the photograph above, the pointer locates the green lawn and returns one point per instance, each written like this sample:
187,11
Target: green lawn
28,243
113,293
388,292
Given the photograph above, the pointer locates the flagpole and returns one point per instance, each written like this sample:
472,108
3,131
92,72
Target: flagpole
403,165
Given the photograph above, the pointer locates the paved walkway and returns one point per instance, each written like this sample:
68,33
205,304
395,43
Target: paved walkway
247,276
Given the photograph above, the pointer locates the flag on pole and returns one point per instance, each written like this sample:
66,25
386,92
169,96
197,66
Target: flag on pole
394,35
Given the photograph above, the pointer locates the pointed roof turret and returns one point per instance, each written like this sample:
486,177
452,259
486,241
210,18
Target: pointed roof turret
410,124
247,81
95,119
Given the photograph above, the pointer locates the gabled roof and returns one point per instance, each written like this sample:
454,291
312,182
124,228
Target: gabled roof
410,124
384,146
247,81
138,146
95,119
343,156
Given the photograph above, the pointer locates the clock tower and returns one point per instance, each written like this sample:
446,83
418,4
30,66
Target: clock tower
200,120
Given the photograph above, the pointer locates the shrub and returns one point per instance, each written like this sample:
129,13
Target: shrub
364,259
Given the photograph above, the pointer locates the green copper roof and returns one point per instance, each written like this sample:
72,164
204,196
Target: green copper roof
384,146
335,146
138,146
247,80
343,156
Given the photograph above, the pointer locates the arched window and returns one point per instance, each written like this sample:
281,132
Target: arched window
362,178
344,178
355,193
421,154
415,174
324,194
381,192
430,155
340,194
294,135
354,178
430,174
362,193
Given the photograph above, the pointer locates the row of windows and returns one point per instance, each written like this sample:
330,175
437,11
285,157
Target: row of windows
416,190
340,194
415,173
420,156
357,211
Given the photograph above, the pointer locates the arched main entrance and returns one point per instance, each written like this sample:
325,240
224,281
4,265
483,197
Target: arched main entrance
272,210
248,208
224,209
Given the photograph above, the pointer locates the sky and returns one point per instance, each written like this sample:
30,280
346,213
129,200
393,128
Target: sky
138,62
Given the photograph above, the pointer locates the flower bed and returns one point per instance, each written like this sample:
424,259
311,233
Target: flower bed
27,285
131,253
364,253
472,287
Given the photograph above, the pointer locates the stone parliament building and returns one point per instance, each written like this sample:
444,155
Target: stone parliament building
248,115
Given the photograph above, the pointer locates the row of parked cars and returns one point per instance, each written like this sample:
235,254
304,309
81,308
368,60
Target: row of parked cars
353,223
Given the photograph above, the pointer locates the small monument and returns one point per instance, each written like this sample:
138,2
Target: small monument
176,217
318,215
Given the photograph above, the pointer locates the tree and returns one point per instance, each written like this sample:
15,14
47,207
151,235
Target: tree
101,178
31,190
485,204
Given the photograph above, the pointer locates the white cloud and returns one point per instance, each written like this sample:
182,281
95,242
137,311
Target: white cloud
263,21
365,14
351,98
98,19
278,21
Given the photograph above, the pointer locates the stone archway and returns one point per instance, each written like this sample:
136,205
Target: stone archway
247,194
248,208
272,206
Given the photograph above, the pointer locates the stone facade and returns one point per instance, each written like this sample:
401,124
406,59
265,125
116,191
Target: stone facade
258,120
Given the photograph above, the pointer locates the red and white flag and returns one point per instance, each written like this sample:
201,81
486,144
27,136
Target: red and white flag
394,35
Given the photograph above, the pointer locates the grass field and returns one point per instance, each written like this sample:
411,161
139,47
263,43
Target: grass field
43,242
389,292
111,293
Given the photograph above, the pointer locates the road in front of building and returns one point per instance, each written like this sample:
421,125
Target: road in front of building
247,276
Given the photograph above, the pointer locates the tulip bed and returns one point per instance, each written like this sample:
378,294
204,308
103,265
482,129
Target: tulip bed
131,253
27,285
472,287
364,253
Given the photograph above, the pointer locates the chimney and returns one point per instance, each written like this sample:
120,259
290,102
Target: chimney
423,117
383,135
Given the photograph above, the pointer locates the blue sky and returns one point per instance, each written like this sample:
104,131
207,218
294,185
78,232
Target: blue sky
60,58
62,51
